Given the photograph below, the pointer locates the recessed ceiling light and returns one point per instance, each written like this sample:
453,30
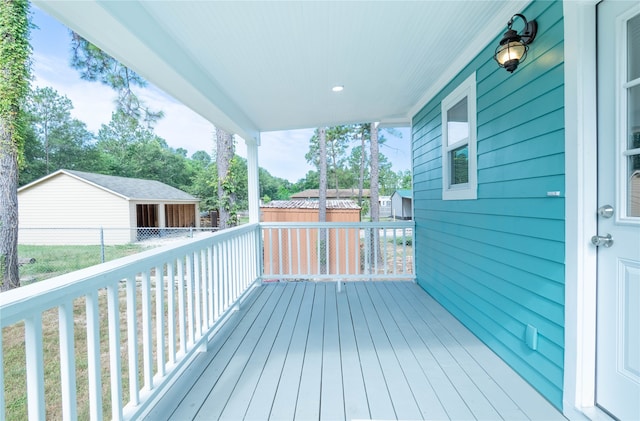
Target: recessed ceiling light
337,88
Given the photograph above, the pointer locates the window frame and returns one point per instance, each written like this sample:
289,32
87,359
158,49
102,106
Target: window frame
469,190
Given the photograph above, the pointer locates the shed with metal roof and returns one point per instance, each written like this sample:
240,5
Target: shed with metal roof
301,250
402,204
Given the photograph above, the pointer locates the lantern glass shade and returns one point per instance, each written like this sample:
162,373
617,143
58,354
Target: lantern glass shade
511,51
510,54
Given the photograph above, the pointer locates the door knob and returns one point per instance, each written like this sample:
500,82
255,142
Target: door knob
605,211
602,240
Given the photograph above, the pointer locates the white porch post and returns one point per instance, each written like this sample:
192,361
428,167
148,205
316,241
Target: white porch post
253,187
162,217
581,203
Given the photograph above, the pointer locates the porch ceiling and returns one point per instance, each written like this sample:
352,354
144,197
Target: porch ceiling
253,66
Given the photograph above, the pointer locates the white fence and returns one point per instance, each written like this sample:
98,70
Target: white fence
147,315
381,250
136,322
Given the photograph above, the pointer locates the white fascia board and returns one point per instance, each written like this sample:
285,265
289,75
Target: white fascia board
395,122
40,180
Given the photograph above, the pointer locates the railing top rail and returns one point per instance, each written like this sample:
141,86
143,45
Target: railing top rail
389,224
40,296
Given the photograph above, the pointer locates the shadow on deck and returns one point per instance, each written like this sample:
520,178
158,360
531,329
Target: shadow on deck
376,350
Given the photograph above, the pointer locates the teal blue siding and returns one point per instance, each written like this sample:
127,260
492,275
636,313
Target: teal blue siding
497,263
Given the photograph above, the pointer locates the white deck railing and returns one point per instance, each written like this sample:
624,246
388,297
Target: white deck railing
144,317
146,314
367,250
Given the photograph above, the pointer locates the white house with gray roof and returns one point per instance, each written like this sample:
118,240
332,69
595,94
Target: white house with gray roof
69,199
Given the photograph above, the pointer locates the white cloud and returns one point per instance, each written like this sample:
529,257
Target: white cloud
92,102
282,153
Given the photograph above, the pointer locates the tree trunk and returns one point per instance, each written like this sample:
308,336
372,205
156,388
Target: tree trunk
226,197
8,210
322,198
362,161
335,171
46,147
374,204
14,86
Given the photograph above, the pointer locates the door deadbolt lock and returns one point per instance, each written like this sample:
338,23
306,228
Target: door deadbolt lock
605,211
602,240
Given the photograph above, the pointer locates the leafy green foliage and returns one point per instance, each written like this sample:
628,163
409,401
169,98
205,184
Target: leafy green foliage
338,139
127,149
346,171
404,180
55,139
273,187
96,65
15,73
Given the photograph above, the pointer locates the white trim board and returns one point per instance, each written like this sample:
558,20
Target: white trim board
580,206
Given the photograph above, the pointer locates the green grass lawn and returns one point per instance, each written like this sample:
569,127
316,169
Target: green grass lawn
52,261
14,356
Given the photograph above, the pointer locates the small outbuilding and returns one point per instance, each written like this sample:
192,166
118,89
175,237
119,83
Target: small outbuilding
402,204
74,199
296,251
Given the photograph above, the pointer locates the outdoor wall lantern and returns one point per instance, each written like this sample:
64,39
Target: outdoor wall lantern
514,46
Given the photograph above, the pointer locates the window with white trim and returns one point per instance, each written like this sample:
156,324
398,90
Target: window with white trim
459,160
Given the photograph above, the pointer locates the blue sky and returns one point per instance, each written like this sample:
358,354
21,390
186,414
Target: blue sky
281,153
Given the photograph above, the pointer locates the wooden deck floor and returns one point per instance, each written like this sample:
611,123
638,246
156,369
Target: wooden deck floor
376,350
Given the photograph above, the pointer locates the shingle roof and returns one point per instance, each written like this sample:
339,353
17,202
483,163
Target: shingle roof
310,204
331,193
133,188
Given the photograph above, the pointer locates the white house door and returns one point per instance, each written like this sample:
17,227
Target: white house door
618,236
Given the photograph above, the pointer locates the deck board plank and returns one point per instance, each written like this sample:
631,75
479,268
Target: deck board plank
404,402
284,402
183,385
408,356
422,342
332,396
379,398
265,356
495,397
376,350
532,405
433,360
260,405
356,404
308,399
471,394
238,378
219,356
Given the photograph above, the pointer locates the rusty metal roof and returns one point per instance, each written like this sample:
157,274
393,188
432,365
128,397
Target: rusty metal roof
331,194
310,204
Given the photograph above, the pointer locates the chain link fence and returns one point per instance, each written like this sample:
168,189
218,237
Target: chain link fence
44,253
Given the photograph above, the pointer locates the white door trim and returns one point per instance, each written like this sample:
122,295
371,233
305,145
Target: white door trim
580,206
